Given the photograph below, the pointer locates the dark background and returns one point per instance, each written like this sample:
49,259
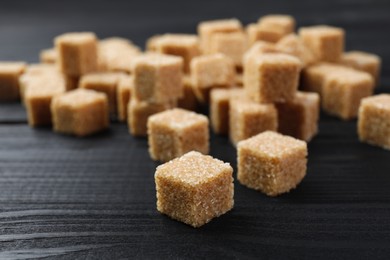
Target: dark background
64,197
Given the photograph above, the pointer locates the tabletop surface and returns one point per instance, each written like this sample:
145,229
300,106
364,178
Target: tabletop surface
70,198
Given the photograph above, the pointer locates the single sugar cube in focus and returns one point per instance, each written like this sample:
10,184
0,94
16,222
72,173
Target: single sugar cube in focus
194,188
271,163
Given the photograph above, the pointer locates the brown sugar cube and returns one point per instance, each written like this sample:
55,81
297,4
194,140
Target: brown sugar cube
259,48
253,33
38,98
374,120
106,82
219,110
138,113
271,163
313,77
343,91
272,28
207,29
9,80
299,117
48,56
183,45
71,82
189,100
39,72
175,132
293,45
194,188
151,43
363,61
158,77
211,71
232,45
248,118
80,112
272,77
219,107
125,86
325,42
116,54
77,53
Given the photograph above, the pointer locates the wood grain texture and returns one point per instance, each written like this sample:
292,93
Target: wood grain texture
69,198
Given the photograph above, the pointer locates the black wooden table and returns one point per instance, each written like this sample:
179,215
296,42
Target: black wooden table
65,197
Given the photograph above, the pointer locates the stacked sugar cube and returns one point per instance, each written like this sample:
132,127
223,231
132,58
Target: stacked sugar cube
269,75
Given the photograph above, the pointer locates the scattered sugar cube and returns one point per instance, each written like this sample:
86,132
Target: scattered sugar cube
106,82
71,82
253,33
175,132
343,91
183,45
80,112
9,80
219,110
138,113
48,56
374,120
313,77
207,29
299,117
363,61
259,48
116,54
38,97
325,42
293,45
232,45
271,163
194,188
211,71
39,72
188,100
272,28
125,86
272,77
77,53
248,118
158,77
